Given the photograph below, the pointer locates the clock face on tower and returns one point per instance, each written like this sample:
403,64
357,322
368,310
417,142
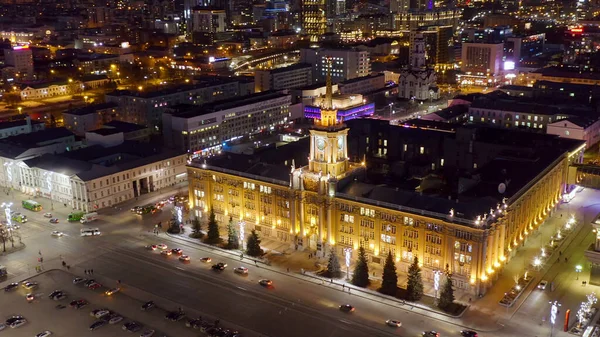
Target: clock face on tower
340,143
320,143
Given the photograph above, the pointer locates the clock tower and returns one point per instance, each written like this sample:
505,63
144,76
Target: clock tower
328,138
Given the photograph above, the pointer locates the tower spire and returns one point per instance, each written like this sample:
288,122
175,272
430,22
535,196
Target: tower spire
328,90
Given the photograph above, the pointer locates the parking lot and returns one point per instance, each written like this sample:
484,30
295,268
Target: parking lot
42,313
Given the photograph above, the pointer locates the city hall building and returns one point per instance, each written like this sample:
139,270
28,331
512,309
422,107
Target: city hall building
325,201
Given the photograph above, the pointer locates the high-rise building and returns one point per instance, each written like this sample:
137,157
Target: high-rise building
208,20
20,58
314,18
481,63
346,63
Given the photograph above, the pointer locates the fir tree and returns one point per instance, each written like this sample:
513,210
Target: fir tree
232,239
253,245
414,287
213,236
389,283
447,294
333,267
196,225
360,278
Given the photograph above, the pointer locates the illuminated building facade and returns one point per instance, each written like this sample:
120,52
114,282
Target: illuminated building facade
314,19
481,64
311,207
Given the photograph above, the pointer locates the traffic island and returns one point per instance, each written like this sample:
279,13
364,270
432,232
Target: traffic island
515,292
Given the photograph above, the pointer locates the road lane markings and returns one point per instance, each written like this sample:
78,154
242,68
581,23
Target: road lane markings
244,289
180,268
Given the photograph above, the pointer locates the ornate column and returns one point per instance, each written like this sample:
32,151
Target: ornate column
301,202
330,238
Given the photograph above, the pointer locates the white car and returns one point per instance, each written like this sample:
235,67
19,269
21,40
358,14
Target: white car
206,259
162,246
44,333
241,270
147,333
57,233
542,285
99,313
47,215
394,323
184,258
115,319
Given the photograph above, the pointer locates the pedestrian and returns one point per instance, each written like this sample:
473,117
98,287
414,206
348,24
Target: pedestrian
255,263
60,257
241,256
85,271
91,271
559,252
348,290
343,286
40,252
331,281
64,264
65,205
288,270
566,259
68,267
41,259
469,300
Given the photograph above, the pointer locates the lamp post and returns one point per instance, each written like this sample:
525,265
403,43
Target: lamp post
578,269
553,312
347,256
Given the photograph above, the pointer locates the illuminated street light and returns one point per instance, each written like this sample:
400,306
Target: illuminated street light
537,262
436,282
578,270
48,176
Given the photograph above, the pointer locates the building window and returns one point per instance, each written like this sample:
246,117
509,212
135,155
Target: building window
421,150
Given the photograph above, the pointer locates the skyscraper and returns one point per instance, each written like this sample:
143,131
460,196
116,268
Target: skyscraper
314,18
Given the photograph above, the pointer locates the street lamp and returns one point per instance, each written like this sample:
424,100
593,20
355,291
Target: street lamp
20,109
578,269
347,256
553,313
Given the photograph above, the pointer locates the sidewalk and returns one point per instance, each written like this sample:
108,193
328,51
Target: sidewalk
482,324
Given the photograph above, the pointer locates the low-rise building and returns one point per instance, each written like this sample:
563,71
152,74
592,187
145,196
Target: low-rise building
44,90
17,127
146,107
362,85
204,129
89,117
580,128
294,76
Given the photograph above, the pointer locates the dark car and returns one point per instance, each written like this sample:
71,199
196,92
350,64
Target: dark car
98,324
148,305
231,333
78,304
89,282
132,326
219,266
346,308
204,326
212,332
54,220
175,316
468,333
57,295
11,287
177,251
194,323
14,319
431,334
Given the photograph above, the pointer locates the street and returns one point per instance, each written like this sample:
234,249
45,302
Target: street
298,305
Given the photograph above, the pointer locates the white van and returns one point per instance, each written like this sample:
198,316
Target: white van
89,217
90,232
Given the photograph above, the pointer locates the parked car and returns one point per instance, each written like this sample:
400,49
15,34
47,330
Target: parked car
89,282
99,313
114,319
193,323
45,333
175,316
78,280
542,285
94,286
148,305
431,334
147,333
98,324
132,326
78,304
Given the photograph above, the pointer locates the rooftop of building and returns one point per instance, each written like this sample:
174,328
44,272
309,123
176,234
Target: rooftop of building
41,85
293,67
537,106
91,109
34,138
17,123
124,127
208,108
362,78
89,78
149,93
452,111
579,121
516,87
566,72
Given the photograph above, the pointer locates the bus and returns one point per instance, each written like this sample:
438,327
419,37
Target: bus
148,209
32,205
18,217
75,216
90,232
